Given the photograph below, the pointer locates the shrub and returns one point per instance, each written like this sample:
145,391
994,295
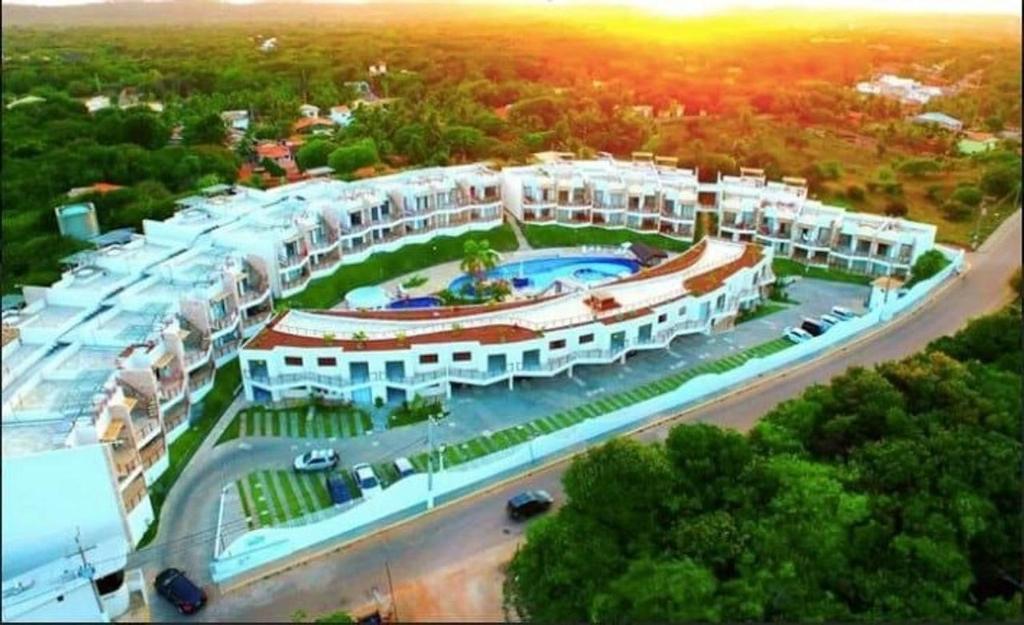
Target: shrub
934,192
927,265
918,167
956,211
855,192
896,208
968,195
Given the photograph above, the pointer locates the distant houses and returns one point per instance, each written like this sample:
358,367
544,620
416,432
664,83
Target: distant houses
977,142
906,90
940,120
236,120
309,111
96,103
268,45
341,115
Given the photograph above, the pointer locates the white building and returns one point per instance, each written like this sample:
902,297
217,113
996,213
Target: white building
906,90
361,356
236,120
341,115
65,544
309,111
96,103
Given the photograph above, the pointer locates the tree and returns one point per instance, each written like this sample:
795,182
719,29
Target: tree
896,208
348,158
927,265
478,258
666,592
314,154
1000,180
207,130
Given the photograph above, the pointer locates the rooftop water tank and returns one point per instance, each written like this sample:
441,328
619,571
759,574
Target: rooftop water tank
78,220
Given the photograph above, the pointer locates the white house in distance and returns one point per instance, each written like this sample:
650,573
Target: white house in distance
96,103
940,120
236,120
309,111
268,45
341,115
906,90
65,545
379,69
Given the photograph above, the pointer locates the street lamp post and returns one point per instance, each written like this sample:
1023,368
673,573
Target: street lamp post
431,422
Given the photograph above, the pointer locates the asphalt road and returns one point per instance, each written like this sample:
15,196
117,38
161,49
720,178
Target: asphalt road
455,537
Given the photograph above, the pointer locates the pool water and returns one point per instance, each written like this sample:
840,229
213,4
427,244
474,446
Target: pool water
428,301
540,273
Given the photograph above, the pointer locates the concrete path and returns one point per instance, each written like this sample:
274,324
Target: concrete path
524,244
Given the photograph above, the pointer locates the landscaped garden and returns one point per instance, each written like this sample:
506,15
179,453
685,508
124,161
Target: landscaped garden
303,421
783,267
382,266
561,236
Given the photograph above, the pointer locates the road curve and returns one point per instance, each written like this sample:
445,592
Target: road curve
454,537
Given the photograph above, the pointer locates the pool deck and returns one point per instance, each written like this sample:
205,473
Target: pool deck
440,276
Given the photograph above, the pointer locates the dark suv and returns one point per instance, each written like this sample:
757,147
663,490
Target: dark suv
179,590
529,503
813,327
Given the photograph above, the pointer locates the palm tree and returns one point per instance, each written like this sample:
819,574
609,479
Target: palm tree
478,258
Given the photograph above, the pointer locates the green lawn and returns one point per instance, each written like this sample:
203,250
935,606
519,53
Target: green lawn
789,267
561,236
282,495
226,382
483,445
328,291
295,422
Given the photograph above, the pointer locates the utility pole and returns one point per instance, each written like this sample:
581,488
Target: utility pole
431,422
88,570
391,591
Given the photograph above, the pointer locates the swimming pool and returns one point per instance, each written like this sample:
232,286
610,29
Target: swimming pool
538,274
428,301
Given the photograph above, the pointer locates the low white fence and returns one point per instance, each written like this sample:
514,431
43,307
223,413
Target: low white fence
410,496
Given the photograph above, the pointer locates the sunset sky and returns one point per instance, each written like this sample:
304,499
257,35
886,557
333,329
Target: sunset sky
698,7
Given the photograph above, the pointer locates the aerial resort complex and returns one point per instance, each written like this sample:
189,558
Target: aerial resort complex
102,369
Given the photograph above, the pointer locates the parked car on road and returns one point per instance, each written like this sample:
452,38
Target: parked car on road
843,313
404,467
528,503
796,335
316,460
338,489
829,320
367,479
813,327
172,585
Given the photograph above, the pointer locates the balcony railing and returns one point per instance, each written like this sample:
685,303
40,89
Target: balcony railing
222,323
226,348
256,318
291,283
169,389
153,452
285,261
197,354
255,293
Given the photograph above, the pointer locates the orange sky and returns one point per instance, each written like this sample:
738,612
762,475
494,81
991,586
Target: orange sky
690,7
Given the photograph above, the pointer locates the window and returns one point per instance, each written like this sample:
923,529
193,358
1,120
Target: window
682,311
327,361
586,338
428,359
293,361
559,344
662,318
462,356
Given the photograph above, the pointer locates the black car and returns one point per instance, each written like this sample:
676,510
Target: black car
813,327
179,590
338,489
529,503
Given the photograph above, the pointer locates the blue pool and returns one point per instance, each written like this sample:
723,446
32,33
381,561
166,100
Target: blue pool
428,301
539,273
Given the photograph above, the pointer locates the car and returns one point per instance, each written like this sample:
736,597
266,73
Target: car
528,503
813,327
338,489
367,479
404,467
843,313
829,320
796,335
172,585
316,460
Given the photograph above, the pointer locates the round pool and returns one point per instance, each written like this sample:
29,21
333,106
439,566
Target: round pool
367,297
538,274
428,301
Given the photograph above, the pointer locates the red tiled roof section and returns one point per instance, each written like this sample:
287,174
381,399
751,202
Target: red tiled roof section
272,150
633,314
270,338
711,280
684,260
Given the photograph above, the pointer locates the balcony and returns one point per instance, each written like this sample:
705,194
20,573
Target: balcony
286,261
223,323
145,420
175,415
200,378
325,242
226,348
298,280
133,492
256,317
170,388
153,452
327,260
537,216
197,352
126,460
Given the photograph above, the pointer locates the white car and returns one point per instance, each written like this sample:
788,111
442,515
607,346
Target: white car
797,335
316,460
404,467
842,313
829,320
367,480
